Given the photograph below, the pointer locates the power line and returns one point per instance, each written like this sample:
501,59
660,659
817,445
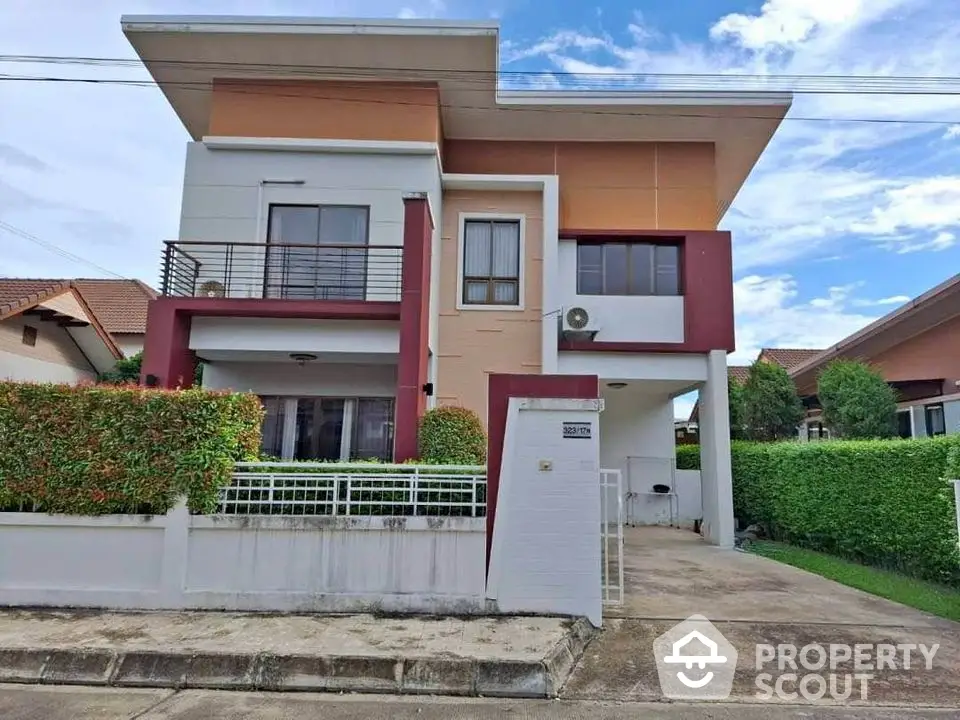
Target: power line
698,78
204,86
55,248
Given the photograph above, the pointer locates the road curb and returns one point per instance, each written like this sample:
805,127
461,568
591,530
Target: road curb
440,675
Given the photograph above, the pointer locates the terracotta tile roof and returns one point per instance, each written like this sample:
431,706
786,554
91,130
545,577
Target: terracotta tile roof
18,293
788,358
740,373
120,305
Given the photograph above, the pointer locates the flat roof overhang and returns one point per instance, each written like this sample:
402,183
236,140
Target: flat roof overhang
184,54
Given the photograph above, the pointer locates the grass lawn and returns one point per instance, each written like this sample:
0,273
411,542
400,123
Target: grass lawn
935,599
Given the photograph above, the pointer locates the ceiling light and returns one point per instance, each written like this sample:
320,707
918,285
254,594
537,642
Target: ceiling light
616,385
302,358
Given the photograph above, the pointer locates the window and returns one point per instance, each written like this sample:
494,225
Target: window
935,421
313,255
628,268
328,428
29,336
491,262
904,425
817,431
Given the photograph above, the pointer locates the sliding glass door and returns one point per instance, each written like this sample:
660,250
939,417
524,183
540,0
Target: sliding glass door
317,252
313,428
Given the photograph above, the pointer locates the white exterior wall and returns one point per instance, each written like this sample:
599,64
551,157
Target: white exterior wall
224,199
286,335
621,319
545,555
637,438
681,367
316,379
129,343
20,368
179,561
689,506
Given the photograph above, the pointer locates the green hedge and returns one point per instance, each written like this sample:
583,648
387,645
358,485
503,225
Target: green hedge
688,457
91,450
452,436
879,502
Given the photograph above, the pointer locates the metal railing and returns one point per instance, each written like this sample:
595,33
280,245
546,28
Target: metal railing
329,489
611,537
273,270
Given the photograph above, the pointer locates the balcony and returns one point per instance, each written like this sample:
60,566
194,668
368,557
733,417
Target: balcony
282,271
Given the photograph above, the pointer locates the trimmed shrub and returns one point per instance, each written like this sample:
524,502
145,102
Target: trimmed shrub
857,402
878,502
771,408
688,457
92,450
452,436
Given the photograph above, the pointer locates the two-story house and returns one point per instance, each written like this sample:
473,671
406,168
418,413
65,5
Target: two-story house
371,226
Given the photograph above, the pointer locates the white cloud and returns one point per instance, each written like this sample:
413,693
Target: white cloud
951,132
769,314
941,241
820,186
785,22
892,300
407,14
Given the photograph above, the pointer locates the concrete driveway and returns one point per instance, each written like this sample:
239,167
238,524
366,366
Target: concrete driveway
671,574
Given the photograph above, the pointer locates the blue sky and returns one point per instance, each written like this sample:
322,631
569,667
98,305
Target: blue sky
839,223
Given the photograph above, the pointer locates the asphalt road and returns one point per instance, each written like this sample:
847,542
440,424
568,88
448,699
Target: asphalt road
30,702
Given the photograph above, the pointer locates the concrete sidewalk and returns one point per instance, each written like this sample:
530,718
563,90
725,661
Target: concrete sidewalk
500,657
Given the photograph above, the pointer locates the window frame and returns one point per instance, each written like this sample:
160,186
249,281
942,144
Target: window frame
927,413
518,218
351,408
630,242
319,206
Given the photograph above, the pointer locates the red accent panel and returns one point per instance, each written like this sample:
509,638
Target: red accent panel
706,277
500,389
414,326
279,308
166,347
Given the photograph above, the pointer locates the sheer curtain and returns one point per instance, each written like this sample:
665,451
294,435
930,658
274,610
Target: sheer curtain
505,259
476,260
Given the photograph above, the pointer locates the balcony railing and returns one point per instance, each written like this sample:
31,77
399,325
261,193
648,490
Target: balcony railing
273,270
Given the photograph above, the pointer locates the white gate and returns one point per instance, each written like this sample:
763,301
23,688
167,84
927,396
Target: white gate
611,536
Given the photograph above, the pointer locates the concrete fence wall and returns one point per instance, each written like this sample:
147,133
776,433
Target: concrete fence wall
278,563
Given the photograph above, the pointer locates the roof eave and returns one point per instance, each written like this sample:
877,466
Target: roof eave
948,287
303,25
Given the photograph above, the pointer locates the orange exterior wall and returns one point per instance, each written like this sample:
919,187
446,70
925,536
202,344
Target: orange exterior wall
608,185
475,343
933,354
325,109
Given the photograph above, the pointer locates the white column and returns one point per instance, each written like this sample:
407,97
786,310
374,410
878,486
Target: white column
956,493
715,475
551,275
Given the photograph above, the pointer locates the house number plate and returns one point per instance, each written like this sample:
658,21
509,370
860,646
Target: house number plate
577,430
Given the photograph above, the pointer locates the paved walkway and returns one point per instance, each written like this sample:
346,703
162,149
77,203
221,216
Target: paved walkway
671,574
78,703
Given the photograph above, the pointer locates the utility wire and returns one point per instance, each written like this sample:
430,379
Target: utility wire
698,79
56,249
205,86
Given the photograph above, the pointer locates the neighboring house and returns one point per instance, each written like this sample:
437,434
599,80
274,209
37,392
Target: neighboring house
358,248
49,333
121,307
917,350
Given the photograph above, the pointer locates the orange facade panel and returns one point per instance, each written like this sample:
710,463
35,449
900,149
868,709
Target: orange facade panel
608,185
474,343
930,355
325,110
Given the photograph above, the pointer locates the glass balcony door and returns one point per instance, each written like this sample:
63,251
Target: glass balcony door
344,429
317,252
